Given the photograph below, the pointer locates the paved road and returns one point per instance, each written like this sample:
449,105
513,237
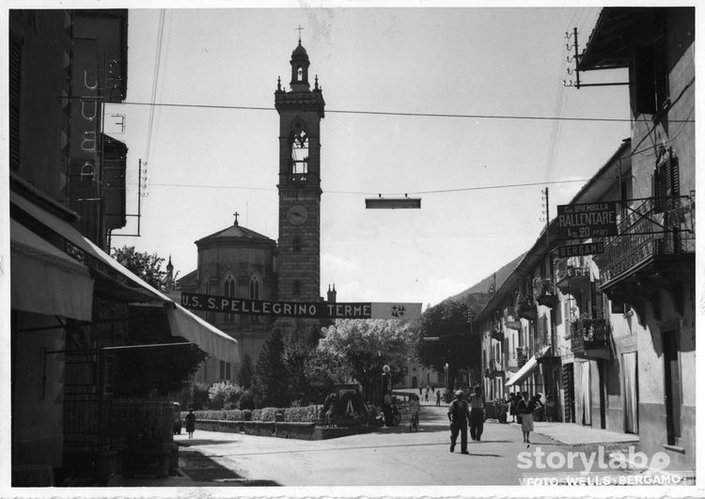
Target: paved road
390,457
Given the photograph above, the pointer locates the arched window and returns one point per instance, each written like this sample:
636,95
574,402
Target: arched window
255,285
229,291
299,74
207,290
299,150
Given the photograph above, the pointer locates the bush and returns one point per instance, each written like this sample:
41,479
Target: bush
246,401
199,399
305,414
224,393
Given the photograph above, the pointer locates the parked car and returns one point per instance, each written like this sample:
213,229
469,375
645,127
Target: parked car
177,418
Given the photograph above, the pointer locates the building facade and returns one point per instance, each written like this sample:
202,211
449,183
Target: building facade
610,328
70,302
648,270
234,262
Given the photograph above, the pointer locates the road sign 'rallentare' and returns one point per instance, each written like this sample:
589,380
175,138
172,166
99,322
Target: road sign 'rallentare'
583,221
317,310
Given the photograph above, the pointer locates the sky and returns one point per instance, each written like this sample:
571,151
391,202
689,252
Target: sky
490,77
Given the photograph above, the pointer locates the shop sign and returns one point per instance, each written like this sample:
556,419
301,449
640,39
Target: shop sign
580,249
583,221
314,310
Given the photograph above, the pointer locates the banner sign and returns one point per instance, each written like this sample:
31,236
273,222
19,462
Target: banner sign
316,310
583,221
579,249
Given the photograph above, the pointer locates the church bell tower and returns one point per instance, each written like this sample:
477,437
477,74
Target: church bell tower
300,112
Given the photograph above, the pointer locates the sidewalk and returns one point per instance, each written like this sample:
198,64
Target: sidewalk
575,434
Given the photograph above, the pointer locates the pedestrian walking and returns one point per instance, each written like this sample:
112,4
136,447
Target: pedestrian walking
458,415
513,402
525,408
414,407
387,410
477,414
426,394
190,423
438,398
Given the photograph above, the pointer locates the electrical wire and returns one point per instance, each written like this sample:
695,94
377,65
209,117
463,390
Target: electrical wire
399,113
155,84
370,193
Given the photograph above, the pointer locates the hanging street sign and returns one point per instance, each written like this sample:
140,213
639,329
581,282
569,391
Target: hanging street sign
583,221
579,249
317,310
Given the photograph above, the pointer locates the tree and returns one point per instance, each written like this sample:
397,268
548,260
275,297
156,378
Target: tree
271,382
144,265
143,371
445,338
365,346
245,374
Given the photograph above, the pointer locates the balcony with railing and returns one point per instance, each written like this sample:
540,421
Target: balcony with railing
522,356
545,292
497,334
654,230
590,337
525,308
655,249
571,273
493,368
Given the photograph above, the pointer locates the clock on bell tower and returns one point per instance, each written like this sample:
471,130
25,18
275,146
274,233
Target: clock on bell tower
300,112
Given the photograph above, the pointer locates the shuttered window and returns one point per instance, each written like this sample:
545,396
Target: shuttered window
665,183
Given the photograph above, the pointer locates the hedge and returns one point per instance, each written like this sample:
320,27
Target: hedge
307,414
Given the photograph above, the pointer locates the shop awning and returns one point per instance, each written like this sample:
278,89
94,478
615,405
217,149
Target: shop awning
45,280
527,368
108,273
182,322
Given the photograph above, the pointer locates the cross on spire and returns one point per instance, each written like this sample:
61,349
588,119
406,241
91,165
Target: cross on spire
299,29
236,215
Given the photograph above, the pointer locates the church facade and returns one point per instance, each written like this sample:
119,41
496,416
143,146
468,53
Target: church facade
239,262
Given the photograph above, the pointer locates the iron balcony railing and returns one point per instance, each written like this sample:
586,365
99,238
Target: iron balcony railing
654,226
589,333
570,269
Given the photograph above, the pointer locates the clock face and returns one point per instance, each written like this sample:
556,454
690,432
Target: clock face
297,214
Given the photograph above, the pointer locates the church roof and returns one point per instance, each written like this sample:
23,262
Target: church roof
299,51
236,231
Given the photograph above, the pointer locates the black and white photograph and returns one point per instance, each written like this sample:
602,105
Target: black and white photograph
348,248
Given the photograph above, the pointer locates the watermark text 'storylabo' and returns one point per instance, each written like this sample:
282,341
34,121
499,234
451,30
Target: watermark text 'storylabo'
586,462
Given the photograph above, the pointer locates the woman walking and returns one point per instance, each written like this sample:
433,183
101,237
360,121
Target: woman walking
190,423
525,408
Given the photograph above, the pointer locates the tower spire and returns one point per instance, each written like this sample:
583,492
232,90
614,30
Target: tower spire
299,29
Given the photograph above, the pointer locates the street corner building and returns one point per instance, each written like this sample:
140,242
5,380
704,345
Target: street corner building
72,304
600,313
